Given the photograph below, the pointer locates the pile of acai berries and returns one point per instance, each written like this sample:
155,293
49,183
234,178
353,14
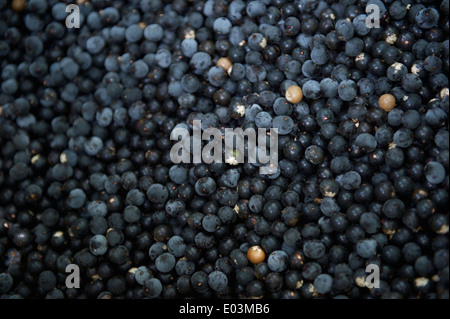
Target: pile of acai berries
359,93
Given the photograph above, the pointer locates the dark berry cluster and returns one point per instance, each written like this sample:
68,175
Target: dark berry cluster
86,176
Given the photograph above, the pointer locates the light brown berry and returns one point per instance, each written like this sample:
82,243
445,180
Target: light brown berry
387,102
256,255
294,94
18,5
224,63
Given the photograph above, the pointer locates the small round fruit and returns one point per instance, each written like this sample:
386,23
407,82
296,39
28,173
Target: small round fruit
18,5
224,63
294,94
387,102
256,255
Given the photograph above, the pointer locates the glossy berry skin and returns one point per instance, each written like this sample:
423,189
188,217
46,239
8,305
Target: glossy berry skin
294,94
256,255
387,102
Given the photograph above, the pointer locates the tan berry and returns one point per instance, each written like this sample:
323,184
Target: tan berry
444,92
294,94
224,63
256,255
18,5
387,102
